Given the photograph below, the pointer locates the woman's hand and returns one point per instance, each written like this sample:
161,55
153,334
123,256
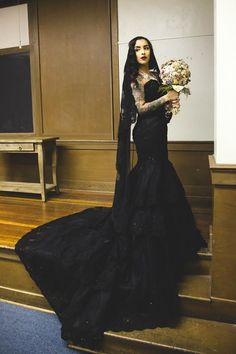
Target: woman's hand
175,104
172,96
172,101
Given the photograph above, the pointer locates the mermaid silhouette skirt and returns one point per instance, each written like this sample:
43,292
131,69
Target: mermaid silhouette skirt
97,279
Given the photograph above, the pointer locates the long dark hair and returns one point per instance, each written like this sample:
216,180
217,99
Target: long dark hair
132,66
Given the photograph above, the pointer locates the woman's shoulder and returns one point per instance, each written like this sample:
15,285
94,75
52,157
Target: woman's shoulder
143,78
138,82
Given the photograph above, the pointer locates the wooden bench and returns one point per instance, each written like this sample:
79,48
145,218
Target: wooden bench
32,145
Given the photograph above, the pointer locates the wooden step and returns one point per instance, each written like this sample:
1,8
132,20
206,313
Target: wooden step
194,293
191,335
16,285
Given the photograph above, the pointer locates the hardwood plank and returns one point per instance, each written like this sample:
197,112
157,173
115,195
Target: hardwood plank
24,213
20,215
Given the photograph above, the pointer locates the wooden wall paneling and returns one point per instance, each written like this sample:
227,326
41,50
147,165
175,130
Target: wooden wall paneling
75,57
19,167
87,166
224,226
24,48
224,243
191,163
91,166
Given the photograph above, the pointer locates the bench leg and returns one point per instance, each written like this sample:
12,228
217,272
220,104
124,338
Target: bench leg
54,168
41,164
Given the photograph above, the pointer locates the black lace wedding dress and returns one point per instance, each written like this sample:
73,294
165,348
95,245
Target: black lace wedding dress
98,278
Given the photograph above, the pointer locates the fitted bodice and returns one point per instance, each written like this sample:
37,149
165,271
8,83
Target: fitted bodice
150,132
151,90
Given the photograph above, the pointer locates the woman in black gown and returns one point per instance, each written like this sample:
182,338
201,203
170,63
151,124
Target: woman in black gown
118,268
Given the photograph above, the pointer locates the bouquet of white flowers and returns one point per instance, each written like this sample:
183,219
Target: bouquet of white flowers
175,75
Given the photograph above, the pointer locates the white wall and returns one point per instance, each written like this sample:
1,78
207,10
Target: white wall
177,29
14,26
225,97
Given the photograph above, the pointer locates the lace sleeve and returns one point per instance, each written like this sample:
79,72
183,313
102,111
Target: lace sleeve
139,98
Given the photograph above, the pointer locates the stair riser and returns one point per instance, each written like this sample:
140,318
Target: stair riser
201,266
214,310
115,345
203,222
24,298
16,285
189,307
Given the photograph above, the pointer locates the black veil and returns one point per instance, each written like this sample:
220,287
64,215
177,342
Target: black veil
128,115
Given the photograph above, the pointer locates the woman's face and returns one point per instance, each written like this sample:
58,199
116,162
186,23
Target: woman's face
142,50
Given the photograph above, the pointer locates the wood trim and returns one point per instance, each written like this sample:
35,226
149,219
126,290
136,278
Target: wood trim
13,135
110,144
191,146
87,145
224,301
35,67
12,50
222,174
95,186
220,166
7,3
197,194
115,65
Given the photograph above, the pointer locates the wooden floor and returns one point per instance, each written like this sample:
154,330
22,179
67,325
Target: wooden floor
20,213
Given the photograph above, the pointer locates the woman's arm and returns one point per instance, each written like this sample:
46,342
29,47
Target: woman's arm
145,107
139,98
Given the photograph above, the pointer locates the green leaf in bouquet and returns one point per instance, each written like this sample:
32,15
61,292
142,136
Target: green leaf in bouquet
164,89
186,91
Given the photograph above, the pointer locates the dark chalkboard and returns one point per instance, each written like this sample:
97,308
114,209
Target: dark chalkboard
15,94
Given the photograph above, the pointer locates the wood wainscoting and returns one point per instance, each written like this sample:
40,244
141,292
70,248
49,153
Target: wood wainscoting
224,227
90,165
